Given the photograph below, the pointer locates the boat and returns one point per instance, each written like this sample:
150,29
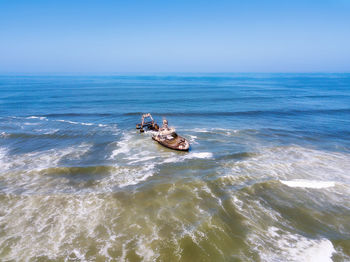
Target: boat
165,136
150,125
172,140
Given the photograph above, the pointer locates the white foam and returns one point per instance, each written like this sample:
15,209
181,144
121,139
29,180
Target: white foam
172,160
67,121
62,120
47,131
133,177
143,249
31,124
140,159
51,131
134,160
52,232
238,203
4,134
301,249
200,130
136,157
66,226
208,190
294,166
223,131
122,146
78,123
37,117
279,245
308,183
319,251
23,170
3,153
193,139
199,155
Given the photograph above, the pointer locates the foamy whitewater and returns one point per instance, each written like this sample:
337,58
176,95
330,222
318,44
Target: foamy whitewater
267,177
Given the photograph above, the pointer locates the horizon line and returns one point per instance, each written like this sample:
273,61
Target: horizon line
157,73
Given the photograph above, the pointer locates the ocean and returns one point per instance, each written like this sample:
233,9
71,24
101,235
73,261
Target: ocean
267,177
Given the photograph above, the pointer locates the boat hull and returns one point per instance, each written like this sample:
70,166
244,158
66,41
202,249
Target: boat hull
179,143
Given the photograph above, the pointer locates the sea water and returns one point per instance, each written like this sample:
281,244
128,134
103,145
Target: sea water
267,177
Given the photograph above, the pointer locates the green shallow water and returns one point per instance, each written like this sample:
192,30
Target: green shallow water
182,221
204,213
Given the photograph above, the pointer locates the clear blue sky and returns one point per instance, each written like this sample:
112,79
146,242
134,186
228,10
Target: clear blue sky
174,36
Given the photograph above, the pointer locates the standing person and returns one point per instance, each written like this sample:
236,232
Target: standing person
165,125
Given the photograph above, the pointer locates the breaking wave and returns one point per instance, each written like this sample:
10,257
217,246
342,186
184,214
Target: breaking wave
292,165
308,183
284,246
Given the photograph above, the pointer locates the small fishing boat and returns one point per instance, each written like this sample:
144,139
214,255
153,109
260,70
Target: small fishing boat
165,136
171,140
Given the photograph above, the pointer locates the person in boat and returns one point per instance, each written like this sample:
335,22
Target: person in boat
166,132
165,126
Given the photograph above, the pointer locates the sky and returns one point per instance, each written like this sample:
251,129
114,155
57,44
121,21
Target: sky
153,36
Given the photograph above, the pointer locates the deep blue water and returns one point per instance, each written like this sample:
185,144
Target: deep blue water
307,108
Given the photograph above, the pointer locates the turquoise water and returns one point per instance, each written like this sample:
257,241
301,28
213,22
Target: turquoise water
267,177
